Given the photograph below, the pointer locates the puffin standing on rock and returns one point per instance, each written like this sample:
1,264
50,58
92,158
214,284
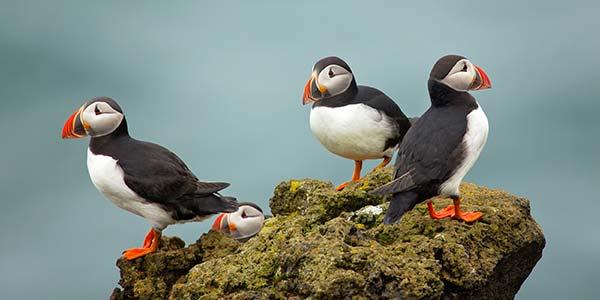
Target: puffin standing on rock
443,144
242,224
140,177
354,122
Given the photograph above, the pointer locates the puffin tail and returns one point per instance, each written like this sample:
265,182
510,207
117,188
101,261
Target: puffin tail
227,204
400,203
207,205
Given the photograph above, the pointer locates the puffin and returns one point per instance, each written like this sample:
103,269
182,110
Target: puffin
352,121
143,178
442,145
242,224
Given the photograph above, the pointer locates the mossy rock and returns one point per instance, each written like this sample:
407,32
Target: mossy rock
153,276
323,244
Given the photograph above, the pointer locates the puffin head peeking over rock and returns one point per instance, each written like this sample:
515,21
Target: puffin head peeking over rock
143,178
352,121
242,224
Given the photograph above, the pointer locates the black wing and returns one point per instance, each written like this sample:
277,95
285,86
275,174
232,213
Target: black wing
430,151
380,101
158,175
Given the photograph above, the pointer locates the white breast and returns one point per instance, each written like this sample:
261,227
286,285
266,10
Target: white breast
474,140
107,176
354,131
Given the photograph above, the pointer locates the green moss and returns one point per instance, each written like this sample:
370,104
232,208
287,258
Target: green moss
323,244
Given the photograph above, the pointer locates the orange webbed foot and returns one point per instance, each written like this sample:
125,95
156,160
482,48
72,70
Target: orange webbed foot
468,217
150,245
447,212
134,253
355,175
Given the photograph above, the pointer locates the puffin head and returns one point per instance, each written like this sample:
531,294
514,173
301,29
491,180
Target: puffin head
460,74
330,77
98,117
242,224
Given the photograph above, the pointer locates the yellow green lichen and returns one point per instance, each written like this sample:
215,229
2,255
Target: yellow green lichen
323,244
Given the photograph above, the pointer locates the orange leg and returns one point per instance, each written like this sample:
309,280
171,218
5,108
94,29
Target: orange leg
355,175
444,213
465,216
386,160
150,245
148,239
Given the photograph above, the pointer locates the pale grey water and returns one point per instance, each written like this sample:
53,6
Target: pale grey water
220,84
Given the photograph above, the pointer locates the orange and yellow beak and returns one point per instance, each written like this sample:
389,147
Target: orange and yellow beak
306,97
222,224
74,128
481,81
313,91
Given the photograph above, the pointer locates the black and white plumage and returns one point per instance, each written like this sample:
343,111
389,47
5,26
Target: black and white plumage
443,144
354,122
143,178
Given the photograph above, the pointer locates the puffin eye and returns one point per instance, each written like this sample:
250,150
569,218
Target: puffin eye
97,110
244,214
331,74
464,69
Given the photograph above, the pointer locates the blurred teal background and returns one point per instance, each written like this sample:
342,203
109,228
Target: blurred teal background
220,82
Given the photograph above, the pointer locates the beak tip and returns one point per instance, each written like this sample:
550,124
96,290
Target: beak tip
306,96
486,83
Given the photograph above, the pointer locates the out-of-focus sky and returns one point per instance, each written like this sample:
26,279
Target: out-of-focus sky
220,82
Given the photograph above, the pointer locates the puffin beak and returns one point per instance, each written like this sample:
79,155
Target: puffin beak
306,97
223,224
220,222
481,81
312,90
74,128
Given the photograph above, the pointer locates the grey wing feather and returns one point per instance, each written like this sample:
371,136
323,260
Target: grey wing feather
210,187
402,183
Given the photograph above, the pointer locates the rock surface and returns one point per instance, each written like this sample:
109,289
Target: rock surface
324,244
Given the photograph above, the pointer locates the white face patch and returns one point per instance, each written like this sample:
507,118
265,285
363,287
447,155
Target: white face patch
461,75
247,220
101,119
335,79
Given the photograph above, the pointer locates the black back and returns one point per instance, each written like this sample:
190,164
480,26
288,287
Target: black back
432,148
